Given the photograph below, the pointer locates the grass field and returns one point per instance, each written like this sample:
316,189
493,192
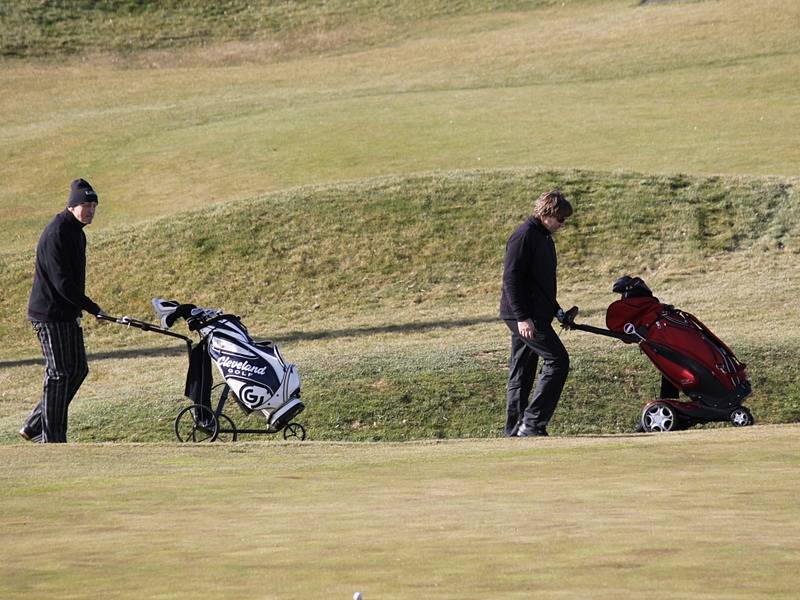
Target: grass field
344,175
699,87
384,289
709,514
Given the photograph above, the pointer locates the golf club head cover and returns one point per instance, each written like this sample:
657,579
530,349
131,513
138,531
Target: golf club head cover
631,287
184,311
170,311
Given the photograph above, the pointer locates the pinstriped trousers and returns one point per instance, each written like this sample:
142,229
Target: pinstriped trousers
65,369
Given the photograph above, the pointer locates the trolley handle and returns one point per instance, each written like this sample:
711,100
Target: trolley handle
625,337
144,326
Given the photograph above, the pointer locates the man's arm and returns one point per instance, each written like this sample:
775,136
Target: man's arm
515,269
55,256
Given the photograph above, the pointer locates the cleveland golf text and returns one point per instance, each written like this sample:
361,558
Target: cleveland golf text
243,366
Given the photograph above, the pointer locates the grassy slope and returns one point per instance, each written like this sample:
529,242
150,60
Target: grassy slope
386,296
710,515
33,28
703,87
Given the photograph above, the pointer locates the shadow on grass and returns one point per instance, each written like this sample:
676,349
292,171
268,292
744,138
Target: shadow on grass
129,353
400,328
292,336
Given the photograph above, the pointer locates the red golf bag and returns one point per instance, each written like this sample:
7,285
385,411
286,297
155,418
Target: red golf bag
689,356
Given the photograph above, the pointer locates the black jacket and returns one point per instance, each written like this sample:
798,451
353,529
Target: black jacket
59,283
529,274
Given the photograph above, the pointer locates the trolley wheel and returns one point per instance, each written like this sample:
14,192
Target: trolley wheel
227,429
741,417
294,432
659,416
196,423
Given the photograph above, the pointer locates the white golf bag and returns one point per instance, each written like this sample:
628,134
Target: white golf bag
256,373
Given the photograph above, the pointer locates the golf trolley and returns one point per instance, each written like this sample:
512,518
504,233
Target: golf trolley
254,373
690,358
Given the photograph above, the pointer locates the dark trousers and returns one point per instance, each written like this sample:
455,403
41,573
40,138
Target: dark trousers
65,370
525,354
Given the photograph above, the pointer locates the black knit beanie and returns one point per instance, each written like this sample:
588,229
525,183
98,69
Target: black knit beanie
81,191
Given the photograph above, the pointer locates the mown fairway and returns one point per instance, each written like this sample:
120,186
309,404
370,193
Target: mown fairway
700,87
344,175
710,515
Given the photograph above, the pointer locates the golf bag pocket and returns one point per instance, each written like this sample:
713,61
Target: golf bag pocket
198,376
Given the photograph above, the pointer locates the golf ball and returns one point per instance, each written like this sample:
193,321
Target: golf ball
358,596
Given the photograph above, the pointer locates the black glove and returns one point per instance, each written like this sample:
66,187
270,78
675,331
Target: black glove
567,318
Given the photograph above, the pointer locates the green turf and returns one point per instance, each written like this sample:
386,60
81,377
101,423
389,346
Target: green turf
708,515
55,29
697,87
344,176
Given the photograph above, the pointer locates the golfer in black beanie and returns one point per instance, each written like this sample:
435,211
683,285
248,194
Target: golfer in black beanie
58,298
